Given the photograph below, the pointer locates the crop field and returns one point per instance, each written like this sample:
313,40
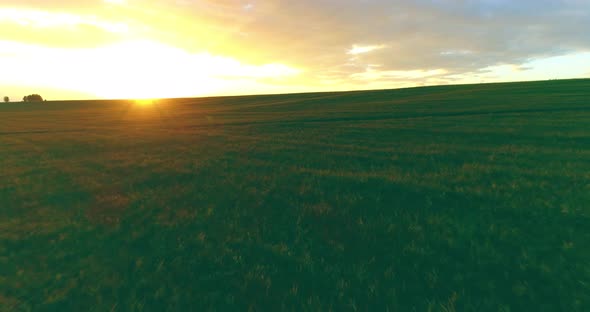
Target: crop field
448,198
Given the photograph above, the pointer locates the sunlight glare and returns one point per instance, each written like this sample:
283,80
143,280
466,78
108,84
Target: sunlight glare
134,69
145,102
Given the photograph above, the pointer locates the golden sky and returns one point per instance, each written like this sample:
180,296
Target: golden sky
66,49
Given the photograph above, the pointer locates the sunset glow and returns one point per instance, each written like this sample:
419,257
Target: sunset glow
145,102
157,49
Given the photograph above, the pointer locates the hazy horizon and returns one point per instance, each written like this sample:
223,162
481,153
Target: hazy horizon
153,99
119,49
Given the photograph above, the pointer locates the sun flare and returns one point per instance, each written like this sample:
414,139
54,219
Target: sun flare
145,102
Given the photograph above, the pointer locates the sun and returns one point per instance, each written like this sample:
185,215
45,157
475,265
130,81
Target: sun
145,102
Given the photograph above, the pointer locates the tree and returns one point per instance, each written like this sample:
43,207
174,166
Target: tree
33,98
6,99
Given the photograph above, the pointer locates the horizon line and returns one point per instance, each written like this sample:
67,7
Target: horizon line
302,93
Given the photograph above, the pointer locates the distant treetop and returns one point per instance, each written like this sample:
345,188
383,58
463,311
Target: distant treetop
6,99
33,98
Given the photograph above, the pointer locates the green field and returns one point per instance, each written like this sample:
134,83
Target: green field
448,198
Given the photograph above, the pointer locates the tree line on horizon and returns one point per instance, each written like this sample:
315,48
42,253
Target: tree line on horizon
28,98
33,98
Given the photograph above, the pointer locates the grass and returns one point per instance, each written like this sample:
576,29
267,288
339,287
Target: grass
449,198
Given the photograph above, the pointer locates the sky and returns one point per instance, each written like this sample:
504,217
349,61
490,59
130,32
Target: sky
86,49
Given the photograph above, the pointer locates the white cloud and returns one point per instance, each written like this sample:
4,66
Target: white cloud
456,52
45,19
372,74
360,49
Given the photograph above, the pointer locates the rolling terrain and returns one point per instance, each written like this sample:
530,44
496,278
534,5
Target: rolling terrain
446,198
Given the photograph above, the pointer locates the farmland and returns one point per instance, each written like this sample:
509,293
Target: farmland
446,198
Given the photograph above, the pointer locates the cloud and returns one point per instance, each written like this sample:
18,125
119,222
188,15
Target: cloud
457,36
360,49
371,74
61,28
44,19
